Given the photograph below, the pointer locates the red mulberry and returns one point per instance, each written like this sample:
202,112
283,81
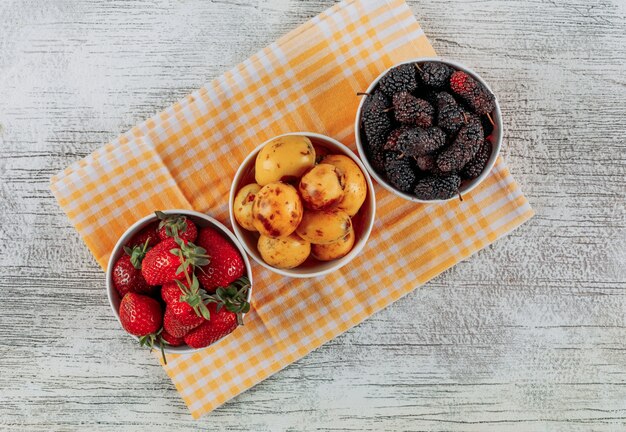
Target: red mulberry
481,100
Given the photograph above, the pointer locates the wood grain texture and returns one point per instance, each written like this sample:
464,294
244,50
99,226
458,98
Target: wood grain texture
527,335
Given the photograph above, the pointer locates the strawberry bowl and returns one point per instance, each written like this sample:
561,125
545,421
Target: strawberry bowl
147,297
302,204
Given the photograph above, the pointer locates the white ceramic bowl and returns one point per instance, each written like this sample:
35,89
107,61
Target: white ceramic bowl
466,186
201,220
363,221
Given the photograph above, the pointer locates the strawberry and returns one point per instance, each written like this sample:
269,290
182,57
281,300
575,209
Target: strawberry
226,314
170,292
185,309
148,234
171,340
140,315
127,272
174,327
176,226
184,313
222,322
226,264
170,260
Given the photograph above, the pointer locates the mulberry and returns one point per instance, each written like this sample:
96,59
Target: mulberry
418,141
376,158
481,100
392,139
476,166
426,163
400,78
435,74
437,187
437,138
375,121
463,148
449,113
408,109
399,171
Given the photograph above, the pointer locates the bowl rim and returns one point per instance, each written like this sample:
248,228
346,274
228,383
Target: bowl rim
340,262
496,145
136,227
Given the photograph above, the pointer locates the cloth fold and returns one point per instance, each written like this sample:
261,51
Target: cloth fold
186,157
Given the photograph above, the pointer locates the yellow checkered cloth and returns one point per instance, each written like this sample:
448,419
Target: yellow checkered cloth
186,156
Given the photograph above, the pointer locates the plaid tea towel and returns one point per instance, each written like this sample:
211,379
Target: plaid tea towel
186,156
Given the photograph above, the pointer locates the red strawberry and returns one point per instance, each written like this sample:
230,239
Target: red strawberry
174,327
188,307
222,322
184,313
170,292
171,340
148,234
127,272
226,314
140,315
163,262
176,226
226,264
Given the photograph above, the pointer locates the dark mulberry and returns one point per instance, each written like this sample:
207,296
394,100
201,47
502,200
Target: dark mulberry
426,163
437,187
399,171
437,138
376,158
418,141
481,100
476,166
392,139
400,78
449,113
463,148
408,109
375,120
435,74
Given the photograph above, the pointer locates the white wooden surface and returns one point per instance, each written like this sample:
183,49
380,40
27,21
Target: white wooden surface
528,335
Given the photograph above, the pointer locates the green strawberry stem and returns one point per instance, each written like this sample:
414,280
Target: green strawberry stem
190,255
234,298
137,253
173,224
193,295
150,339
